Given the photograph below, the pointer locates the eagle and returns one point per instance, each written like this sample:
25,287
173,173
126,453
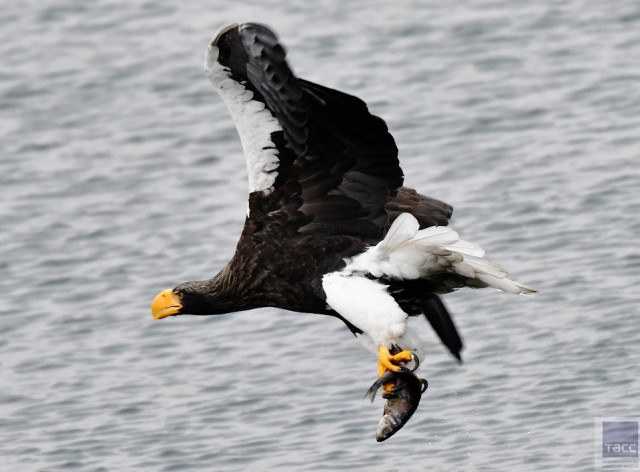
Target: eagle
330,227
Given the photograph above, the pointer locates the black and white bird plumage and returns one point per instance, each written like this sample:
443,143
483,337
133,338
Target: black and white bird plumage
330,228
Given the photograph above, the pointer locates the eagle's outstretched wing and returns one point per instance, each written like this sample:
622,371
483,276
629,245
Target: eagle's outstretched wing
309,149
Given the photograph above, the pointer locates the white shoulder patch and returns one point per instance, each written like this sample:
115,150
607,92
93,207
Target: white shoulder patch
254,123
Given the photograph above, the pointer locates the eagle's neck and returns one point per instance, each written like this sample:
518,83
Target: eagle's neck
227,292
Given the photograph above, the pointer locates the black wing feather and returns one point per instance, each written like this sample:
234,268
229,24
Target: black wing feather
332,146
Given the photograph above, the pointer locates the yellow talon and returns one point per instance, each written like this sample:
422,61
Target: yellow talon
388,361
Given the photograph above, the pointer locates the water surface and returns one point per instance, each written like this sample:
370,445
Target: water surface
122,175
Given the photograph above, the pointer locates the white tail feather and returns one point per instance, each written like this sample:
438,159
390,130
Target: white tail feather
467,247
505,284
485,266
436,236
403,229
407,252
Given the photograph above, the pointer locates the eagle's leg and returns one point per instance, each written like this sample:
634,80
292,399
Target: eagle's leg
388,361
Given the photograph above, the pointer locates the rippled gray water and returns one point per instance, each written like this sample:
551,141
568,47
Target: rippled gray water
121,174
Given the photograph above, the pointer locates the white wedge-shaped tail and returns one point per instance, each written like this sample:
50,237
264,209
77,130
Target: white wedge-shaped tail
407,252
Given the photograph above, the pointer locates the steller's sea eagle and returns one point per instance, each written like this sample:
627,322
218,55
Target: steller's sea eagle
330,228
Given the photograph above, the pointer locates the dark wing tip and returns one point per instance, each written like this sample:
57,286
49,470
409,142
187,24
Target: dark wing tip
266,34
221,31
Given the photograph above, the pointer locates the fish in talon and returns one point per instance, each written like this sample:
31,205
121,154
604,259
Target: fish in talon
402,400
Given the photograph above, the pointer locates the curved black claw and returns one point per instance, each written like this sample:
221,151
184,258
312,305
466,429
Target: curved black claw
425,385
416,361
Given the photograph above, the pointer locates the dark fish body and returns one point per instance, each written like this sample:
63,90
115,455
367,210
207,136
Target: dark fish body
402,401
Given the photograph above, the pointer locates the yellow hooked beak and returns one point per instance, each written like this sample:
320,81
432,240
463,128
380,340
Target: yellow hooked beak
165,304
